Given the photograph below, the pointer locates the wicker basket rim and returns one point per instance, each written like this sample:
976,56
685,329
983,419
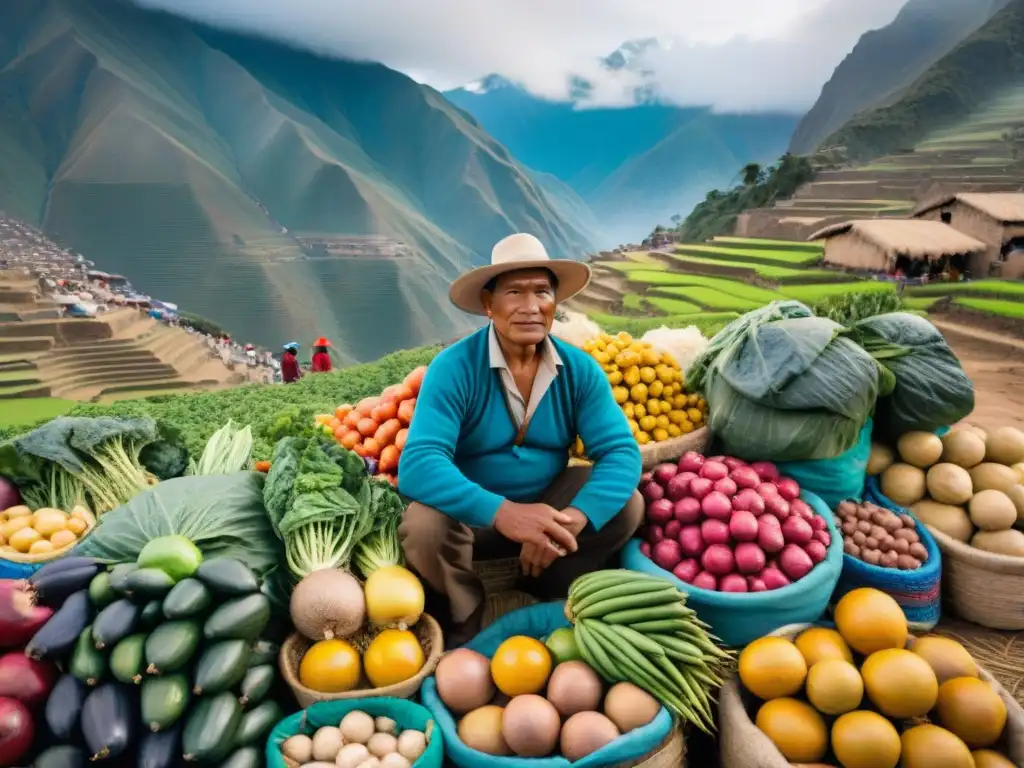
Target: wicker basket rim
989,561
431,628
46,557
664,755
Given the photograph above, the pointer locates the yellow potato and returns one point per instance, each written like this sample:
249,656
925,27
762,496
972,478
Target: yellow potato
40,547
49,521
77,526
23,539
19,511
62,539
8,529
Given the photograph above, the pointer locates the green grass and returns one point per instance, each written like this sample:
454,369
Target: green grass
736,288
32,410
1009,288
642,257
715,299
766,244
735,254
695,263
673,306
632,266
28,373
1000,307
920,303
633,302
709,323
814,293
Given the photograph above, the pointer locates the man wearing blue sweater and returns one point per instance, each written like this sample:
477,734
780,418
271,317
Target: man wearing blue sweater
485,463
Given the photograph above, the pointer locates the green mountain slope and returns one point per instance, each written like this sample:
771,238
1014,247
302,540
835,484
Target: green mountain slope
976,71
888,59
280,194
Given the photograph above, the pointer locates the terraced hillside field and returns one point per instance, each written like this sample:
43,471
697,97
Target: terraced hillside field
968,156
733,275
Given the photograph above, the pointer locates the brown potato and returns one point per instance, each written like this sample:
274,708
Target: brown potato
919,551
908,563
889,559
878,532
851,549
871,542
902,546
886,544
908,521
878,518
849,528
865,526
905,534
859,538
871,556
892,523
863,513
847,508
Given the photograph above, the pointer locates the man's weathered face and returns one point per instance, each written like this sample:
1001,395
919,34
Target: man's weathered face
522,306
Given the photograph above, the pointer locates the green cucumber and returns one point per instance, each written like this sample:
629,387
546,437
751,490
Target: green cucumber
186,599
115,622
243,618
228,577
246,757
100,593
264,652
87,663
148,583
118,579
63,757
171,646
256,723
128,659
221,667
163,701
256,684
152,614
211,727
174,555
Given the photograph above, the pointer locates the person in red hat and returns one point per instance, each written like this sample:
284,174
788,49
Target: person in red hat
321,359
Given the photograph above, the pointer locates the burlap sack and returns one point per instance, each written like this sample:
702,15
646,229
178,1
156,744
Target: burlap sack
743,745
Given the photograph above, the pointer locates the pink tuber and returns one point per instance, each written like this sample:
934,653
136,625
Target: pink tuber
691,461
718,560
660,512
715,532
750,558
714,470
743,526
796,530
788,488
745,477
733,582
727,486
705,580
716,506
748,500
692,541
767,471
701,487
687,570
687,510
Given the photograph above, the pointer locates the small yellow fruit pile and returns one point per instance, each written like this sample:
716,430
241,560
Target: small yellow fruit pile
43,531
650,387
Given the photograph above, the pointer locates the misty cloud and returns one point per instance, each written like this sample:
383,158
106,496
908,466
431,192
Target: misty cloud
735,55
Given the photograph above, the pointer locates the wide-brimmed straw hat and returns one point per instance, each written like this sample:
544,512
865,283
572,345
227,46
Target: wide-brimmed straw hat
515,252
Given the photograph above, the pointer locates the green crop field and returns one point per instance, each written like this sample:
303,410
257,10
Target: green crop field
766,245
920,303
695,263
1008,288
1000,307
737,254
715,299
633,302
724,285
814,293
642,257
632,266
673,306
709,323
31,410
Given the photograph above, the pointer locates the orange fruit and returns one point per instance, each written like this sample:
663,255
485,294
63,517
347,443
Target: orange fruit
820,643
330,666
772,667
394,656
870,620
521,665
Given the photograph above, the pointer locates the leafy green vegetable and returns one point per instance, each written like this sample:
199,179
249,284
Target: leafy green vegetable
381,546
318,498
72,460
223,515
229,450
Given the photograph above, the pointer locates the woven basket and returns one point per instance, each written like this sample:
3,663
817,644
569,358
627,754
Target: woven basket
654,454
671,753
981,586
500,603
427,630
1000,653
15,565
744,745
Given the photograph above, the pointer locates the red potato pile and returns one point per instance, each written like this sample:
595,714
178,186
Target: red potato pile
721,524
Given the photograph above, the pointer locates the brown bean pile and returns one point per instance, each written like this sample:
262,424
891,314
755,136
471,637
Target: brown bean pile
879,536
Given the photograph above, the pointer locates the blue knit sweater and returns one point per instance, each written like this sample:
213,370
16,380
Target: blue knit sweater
460,456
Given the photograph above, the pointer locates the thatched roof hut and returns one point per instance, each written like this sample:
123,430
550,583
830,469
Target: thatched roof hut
876,244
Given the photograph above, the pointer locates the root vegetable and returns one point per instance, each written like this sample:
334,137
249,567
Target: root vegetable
816,551
718,560
663,473
687,510
733,582
352,755
774,578
716,506
788,488
733,463
357,727
687,570
655,533
412,744
327,743
726,486
714,532
701,487
777,507
770,538
667,554
755,584
767,489
19,618
691,540
645,548
802,509
298,748
381,744
27,680
16,731
714,470
679,486
394,760
743,526
691,461
660,511
796,530
672,529
745,477
794,562
385,725
750,558
328,603
767,471
651,491
705,580
748,500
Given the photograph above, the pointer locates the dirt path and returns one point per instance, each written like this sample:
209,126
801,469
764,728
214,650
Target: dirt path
995,364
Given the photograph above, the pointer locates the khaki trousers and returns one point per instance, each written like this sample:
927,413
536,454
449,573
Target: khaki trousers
442,550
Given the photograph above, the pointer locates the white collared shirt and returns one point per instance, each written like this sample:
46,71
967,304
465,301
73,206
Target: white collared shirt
550,361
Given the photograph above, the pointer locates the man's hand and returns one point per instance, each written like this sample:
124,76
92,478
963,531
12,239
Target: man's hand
534,559
579,521
538,524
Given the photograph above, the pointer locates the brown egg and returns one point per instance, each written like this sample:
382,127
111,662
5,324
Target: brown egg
481,730
530,726
574,687
463,680
584,733
629,706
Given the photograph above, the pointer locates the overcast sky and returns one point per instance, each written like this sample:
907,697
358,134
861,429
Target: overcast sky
732,54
